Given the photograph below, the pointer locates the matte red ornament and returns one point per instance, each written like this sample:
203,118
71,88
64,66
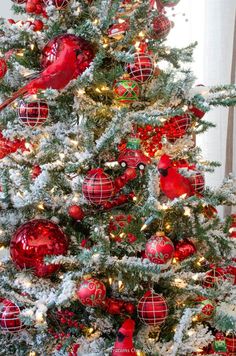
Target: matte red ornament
141,70
9,317
76,212
152,309
97,186
161,27
59,4
91,292
3,67
184,249
124,345
34,113
126,91
159,249
34,240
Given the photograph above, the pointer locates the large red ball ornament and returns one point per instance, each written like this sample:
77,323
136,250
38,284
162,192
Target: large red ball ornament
3,67
159,249
52,50
34,113
177,126
97,186
142,68
59,4
161,27
152,309
184,249
33,241
9,316
91,292
76,212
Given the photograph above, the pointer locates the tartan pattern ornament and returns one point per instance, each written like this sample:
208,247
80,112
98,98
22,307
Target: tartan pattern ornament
152,309
126,91
142,69
33,114
3,67
9,317
161,27
197,180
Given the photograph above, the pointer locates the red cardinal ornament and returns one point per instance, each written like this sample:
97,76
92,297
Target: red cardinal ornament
172,183
73,56
124,341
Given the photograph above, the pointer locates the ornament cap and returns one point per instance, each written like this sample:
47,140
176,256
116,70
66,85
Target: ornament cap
160,233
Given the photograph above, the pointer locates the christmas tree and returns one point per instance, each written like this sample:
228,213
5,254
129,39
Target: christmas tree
115,244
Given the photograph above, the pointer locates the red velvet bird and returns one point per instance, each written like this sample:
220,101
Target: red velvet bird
124,342
172,183
72,57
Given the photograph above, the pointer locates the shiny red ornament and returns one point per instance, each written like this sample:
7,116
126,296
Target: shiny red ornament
3,67
214,277
184,249
176,127
159,249
91,292
126,91
97,186
10,321
152,309
161,27
142,69
34,113
132,156
76,212
36,171
35,240
59,4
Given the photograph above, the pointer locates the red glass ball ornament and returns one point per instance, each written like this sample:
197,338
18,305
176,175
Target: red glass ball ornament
97,186
184,249
159,249
52,50
9,317
34,113
76,212
197,180
112,306
126,91
142,69
176,127
91,292
161,27
34,240
19,2
152,309
169,3
130,308
3,67
59,4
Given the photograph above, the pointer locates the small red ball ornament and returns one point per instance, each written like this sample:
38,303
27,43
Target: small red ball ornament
35,240
184,249
33,114
59,4
142,69
76,212
97,186
161,27
91,292
126,91
176,127
214,277
152,309
3,67
159,249
9,316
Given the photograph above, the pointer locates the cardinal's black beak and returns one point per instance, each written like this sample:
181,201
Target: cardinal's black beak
163,172
78,51
120,336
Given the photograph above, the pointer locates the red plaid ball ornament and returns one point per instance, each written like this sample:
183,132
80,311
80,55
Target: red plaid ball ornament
231,344
9,317
197,180
91,292
34,113
59,4
159,249
176,127
152,309
126,91
214,277
142,69
161,27
3,67
97,186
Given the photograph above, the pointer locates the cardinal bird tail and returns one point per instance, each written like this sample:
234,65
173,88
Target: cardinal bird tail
16,95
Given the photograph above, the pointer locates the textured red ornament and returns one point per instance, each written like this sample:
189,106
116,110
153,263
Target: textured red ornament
33,241
9,316
91,292
197,181
3,67
59,4
76,212
152,309
184,249
161,27
117,307
52,51
33,114
142,68
118,30
97,186
159,249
